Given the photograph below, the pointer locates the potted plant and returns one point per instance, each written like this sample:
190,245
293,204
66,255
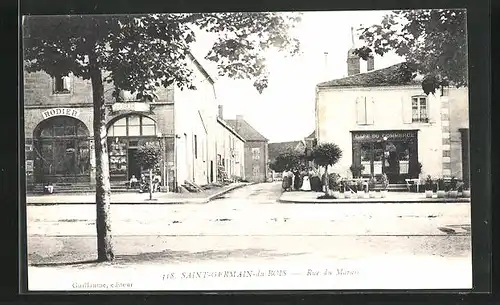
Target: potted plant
429,185
371,187
385,185
356,170
441,193
466,190
453,193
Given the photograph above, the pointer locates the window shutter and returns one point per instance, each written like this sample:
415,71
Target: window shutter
360,111
370,111
66,83
406,110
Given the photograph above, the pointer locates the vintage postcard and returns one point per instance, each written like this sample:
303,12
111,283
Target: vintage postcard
247,151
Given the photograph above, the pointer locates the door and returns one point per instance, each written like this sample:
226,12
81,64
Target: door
133,167
256,172
211,171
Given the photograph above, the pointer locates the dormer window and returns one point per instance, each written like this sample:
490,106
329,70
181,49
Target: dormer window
62,84
419,109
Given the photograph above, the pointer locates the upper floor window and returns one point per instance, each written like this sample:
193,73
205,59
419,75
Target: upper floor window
419,109
364,111
62,84
256,153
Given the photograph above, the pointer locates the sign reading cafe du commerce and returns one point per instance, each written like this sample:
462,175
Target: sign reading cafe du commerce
385,135
60,111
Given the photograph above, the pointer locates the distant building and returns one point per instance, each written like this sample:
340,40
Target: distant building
390,127
256,150
275,149
230,151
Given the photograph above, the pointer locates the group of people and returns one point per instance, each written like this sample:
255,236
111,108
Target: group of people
297,180
143,184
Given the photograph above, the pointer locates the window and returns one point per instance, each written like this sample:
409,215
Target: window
62,84
364,111
132,125
419,111
195,147
256,154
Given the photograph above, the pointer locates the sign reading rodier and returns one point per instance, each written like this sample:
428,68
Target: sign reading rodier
60,111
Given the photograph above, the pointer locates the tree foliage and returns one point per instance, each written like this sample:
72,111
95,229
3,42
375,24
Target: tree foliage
143,52
433,42
287,161
148,156
326,154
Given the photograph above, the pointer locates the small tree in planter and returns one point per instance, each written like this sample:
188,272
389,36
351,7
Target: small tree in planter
371,186
326,154
334,185
429,186
453,193
441,193
385,185
148,156
356,170
466,190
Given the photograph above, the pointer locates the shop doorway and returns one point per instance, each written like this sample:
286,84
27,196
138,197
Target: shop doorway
61,151
211,171
133,166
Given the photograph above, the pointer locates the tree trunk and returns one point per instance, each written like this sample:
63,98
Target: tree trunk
103,187
326,180
150,184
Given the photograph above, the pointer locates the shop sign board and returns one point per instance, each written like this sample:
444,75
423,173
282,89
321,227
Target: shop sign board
61,111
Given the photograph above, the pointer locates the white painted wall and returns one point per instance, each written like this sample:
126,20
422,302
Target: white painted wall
195,112
231,148
336,117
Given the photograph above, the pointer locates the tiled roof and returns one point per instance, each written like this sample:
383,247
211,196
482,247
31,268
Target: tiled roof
395,75
276,149
246,130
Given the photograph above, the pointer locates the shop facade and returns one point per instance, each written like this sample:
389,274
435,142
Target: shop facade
391,152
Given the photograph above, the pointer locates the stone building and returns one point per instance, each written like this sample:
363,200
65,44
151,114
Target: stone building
230,151
58,120
256,150
392,127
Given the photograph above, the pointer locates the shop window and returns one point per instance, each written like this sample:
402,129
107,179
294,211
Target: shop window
132,125
419,109
62,84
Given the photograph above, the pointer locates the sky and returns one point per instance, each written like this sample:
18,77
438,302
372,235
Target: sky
285,109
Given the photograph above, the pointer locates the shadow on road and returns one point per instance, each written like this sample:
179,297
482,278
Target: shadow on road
165,256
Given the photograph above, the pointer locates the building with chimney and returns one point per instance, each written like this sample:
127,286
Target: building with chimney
256,150
58,127
389,125
230,151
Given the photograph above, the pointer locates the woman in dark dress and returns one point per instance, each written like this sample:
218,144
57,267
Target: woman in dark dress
298,181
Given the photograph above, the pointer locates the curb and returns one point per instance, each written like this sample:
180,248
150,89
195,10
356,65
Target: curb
371,201
222,193
147,201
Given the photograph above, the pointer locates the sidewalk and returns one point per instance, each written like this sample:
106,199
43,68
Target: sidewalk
135,198
392,197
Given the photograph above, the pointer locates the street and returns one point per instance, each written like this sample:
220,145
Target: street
248,225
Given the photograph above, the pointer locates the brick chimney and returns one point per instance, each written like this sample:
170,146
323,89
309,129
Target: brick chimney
220,115
353,60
